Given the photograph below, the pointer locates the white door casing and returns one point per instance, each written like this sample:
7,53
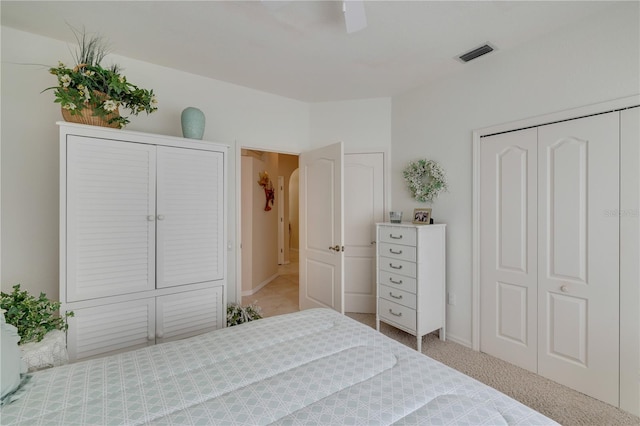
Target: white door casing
321,228
578,254
363,208
508,234
280,198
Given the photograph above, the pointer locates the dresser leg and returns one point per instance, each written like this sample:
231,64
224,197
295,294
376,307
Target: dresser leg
442,334
377,323
419,344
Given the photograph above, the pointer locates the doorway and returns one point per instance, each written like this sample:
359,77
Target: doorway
276,288
269,231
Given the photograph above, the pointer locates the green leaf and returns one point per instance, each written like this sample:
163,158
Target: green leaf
33,317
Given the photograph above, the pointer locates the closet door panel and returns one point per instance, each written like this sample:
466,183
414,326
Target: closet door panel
188,313
578,271
629,260
110,218
508,289
190,209
108,329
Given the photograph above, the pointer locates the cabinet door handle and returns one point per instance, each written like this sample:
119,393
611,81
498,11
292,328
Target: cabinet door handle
395,237
395,252
151,337
395,282
393,313
151,218
394,296
395,267
160,217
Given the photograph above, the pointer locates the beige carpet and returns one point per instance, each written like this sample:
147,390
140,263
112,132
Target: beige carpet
564,405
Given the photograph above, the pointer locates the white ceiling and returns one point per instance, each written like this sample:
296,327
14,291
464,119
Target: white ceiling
300,49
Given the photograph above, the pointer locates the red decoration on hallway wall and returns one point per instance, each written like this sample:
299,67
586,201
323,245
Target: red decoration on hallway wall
269,192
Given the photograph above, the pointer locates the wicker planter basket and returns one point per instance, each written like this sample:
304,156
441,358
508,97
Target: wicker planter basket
86,115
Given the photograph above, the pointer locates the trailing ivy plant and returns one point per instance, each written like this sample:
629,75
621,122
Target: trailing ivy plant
238,314
32,316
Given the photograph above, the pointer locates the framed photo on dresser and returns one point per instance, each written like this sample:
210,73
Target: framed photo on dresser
422,216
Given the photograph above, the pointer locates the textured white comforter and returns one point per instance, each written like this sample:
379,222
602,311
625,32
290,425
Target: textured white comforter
310,367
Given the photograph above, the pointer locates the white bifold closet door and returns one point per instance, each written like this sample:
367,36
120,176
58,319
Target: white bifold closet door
550,253
508,232
578,254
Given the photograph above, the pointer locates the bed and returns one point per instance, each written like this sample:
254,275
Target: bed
309,367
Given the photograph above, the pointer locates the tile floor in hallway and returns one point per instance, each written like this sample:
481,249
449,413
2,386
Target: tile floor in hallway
280,296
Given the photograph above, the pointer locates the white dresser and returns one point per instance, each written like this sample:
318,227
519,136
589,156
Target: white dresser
142,238
411,278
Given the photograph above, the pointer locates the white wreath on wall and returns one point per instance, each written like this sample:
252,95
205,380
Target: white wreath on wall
426,179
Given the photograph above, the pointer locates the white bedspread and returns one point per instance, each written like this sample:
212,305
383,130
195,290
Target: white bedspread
311,367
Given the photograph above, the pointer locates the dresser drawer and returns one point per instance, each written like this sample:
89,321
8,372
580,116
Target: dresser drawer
398,296
401,267
400,282
397,235
397,251
398,314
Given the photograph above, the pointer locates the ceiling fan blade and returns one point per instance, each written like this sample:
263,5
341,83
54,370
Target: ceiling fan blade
354,15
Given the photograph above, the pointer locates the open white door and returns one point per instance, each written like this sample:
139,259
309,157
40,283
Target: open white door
322,229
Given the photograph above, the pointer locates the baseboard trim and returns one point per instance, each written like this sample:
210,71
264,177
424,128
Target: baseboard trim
458,340
260,286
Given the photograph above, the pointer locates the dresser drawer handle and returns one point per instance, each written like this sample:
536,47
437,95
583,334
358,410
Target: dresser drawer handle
394,296
395,282
395,267
393,313
399,237
395,252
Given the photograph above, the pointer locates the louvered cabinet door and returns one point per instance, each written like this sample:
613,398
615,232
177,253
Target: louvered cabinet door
190,209
188,314
111,328
110,218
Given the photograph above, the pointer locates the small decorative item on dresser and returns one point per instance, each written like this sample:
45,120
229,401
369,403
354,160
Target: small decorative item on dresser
91,94
192,120
395,217
422,216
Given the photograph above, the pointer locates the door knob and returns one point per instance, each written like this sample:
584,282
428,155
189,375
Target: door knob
564,289
335,248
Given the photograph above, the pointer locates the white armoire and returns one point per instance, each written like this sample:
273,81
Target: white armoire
142,238
553,242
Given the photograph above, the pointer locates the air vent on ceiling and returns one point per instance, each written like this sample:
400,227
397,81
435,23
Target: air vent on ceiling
475,53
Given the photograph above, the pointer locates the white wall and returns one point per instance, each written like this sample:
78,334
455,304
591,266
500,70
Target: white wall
362,125
287,164
29,150
246,221
594,61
